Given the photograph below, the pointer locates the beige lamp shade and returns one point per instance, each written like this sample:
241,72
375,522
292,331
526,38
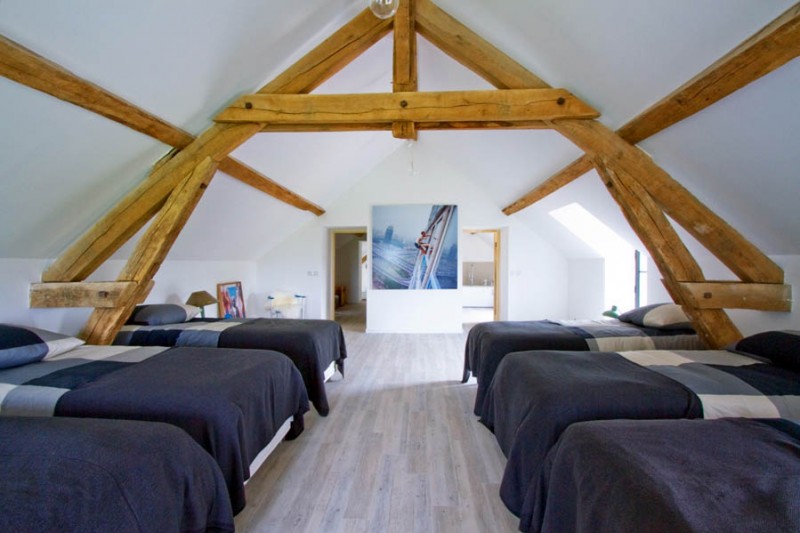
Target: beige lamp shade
200,299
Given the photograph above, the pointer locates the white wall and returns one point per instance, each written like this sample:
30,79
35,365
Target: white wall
476,247
174,282
533,282
586,288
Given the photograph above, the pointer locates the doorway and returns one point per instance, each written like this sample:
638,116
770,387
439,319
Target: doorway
480,275
347,294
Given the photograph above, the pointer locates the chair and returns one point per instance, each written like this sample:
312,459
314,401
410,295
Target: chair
282,304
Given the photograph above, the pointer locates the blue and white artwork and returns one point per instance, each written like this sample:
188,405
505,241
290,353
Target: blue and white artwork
415,247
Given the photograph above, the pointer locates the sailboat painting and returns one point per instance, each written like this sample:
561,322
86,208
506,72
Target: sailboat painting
415,246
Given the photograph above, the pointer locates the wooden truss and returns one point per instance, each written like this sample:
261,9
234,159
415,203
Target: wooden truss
646,193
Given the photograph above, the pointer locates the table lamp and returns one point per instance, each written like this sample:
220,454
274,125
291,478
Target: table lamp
201,299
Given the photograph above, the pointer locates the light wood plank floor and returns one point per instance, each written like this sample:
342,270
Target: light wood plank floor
400,450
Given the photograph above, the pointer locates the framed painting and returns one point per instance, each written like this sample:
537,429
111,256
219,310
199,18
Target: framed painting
230,300
415,246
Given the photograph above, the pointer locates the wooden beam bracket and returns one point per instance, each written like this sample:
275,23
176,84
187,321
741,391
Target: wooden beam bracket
738,295
103,294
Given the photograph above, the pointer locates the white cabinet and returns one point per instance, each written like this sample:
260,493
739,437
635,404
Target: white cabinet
477,295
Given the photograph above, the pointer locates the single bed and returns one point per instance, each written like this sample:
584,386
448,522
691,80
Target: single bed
316,347
84,474
535,396
670,475
232,402
653,327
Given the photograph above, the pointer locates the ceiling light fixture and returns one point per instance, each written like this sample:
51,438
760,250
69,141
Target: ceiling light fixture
384,9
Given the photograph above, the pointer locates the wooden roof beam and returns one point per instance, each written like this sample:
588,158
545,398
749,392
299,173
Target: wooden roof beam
728,245
673,259
471,50
97,244
405,63
772,47
151,250
24,66
419,126
450,106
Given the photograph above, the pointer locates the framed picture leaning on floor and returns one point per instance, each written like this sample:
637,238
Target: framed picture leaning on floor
230,300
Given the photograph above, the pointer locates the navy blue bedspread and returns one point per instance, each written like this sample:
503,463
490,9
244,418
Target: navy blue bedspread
232,402
532,403
67,474
487,343
312,345
670,475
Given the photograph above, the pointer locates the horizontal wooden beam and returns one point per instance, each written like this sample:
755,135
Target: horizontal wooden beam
450,106
773,46
738,295
420,126
105,294
32,70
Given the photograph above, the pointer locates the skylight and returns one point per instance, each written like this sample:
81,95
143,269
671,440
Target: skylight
592,231
619,256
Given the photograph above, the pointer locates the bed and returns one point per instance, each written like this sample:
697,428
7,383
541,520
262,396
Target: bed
83,474
232,402
670,475
316,347
535,396
657,326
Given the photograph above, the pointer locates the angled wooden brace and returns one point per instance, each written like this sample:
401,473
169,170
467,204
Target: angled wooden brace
150,252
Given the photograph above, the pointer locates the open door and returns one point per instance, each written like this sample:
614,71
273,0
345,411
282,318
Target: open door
348,265
480,271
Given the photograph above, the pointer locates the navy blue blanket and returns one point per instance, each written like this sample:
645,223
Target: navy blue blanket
489,342
232,402
533,399
670,475
535,396
312,345
67,474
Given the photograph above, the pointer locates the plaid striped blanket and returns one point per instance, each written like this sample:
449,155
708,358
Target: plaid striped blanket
727,384
35,389
231,401
488,343
312,345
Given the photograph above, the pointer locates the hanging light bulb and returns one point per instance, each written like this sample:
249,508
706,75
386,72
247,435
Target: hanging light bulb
384,9
412,169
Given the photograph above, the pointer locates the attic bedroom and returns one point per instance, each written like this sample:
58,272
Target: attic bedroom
252,150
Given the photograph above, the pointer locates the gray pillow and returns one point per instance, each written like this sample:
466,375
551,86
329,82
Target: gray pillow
20,345
160,314
662,316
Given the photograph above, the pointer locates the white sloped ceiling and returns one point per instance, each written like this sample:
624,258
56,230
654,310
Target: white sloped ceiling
61,167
